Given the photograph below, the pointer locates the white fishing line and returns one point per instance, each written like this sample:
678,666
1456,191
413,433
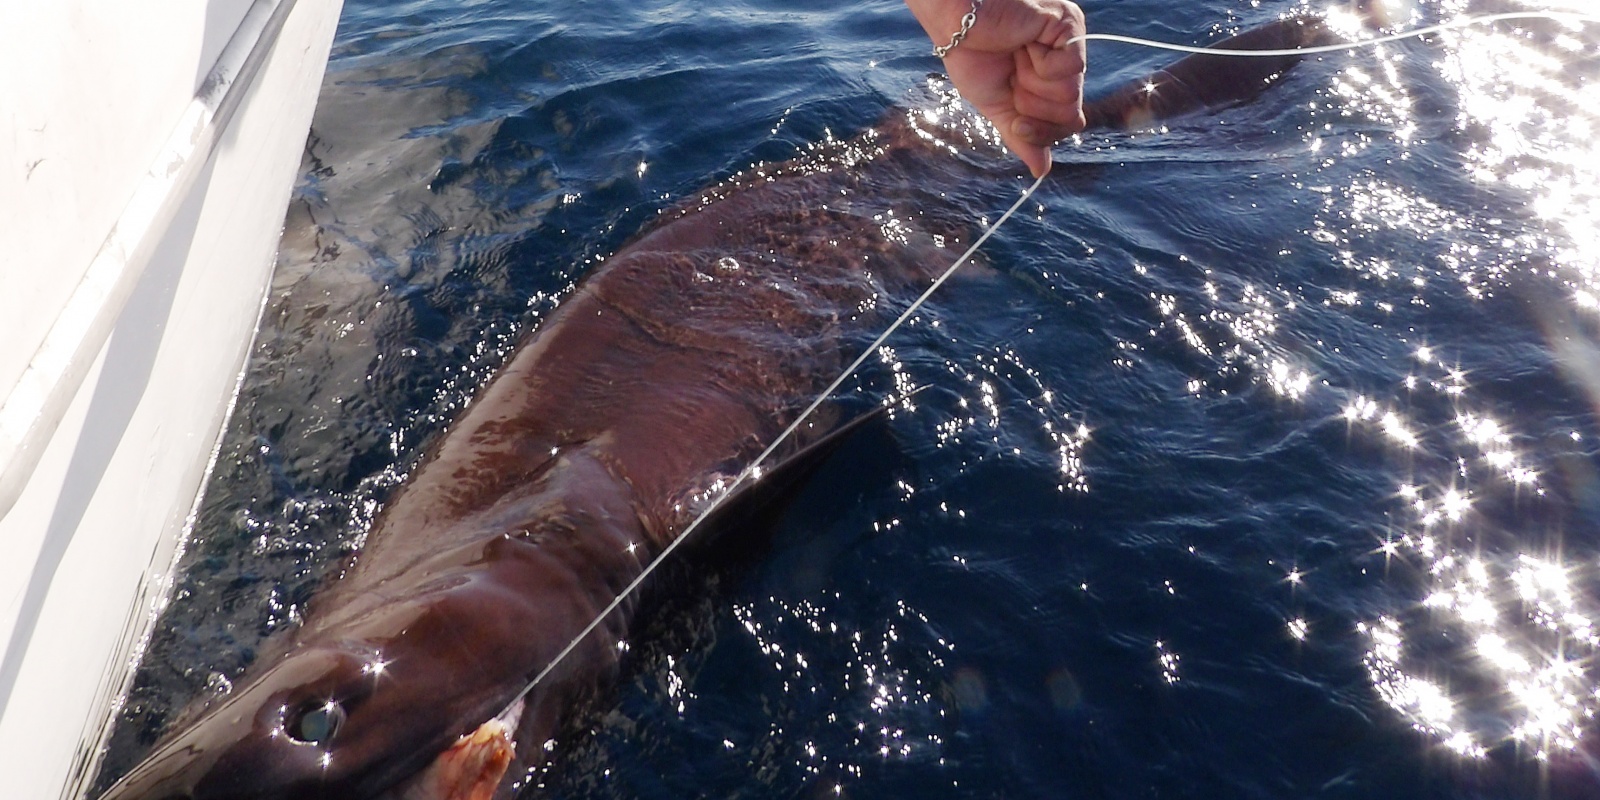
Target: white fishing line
1455,24
752,471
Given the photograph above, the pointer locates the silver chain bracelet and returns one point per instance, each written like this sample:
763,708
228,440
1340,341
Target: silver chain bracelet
957,37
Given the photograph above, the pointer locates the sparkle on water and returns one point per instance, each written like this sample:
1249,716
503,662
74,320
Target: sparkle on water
1532,119
1511,599
1530,628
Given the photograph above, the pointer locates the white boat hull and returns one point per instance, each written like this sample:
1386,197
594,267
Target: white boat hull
97,170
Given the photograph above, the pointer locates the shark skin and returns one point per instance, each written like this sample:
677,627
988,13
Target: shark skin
665,373
656,382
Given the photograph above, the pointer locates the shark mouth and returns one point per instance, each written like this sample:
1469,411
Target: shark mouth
470,769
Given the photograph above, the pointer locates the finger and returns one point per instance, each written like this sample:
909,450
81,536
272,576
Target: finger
1063,92
1017,134
1055,62
1064,85
1052,119
1057,103
1068,26
1040,133
1036,157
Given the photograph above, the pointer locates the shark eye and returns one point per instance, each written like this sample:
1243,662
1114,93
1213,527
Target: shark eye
316,724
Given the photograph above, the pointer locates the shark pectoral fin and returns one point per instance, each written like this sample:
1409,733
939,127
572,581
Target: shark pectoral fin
755,503
1203,82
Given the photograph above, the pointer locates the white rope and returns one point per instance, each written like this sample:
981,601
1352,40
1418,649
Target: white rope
753,470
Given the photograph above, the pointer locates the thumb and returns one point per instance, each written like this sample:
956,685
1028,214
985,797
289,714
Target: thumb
1022,138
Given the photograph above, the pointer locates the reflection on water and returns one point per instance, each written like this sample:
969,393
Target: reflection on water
1501,647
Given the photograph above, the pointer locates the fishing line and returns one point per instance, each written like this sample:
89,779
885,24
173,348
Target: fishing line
753,471
1340,47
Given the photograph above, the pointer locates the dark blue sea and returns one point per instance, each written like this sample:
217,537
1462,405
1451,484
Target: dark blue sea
1258,459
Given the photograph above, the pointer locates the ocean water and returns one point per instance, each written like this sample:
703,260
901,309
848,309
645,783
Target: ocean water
1258,459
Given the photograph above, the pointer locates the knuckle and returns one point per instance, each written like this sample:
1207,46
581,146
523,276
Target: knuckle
1074,15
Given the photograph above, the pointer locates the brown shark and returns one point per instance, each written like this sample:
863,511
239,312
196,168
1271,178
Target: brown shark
664,374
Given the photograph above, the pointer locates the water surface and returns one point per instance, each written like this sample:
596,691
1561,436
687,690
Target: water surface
1259,459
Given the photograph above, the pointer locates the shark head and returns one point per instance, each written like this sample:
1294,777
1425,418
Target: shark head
361,715
400,672
319,723
352,719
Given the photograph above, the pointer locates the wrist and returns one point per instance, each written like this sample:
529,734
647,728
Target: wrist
943,20
960,35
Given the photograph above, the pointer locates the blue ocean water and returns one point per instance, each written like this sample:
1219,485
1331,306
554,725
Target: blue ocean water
1258,458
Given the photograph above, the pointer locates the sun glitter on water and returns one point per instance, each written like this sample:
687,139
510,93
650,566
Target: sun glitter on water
1510,619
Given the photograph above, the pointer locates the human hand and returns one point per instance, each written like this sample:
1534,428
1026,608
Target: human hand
1016,68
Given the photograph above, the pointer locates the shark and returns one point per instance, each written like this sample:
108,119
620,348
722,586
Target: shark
622,418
